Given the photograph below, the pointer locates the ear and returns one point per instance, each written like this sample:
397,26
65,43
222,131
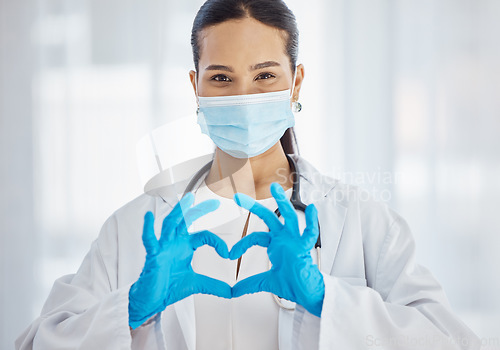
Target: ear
298,82
192,77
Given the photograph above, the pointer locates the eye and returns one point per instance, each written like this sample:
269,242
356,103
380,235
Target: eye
221,77
265,76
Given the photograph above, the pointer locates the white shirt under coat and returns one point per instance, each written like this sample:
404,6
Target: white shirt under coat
246,323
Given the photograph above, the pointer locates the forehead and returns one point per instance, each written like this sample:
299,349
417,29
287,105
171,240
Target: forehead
246,41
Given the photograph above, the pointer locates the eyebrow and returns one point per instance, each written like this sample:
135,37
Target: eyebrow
219,67
252,68
265,65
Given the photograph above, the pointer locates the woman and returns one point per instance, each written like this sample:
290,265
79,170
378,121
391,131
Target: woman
135,291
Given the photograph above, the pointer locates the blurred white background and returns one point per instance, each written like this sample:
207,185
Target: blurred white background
401,97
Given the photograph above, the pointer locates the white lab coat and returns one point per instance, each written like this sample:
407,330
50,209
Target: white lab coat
376,296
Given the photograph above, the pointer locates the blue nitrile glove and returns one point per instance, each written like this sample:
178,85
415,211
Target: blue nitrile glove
167,276
293,275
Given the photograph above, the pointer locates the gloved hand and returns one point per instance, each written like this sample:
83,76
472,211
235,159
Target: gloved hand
167,276
293,275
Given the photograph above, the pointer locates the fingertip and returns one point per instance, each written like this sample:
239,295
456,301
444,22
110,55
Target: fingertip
228,291
277,190
220,247
243,200
224,291
149,220
188,198
214,203
207,206
244,287
148,235
223,252
311,209
236,291
234,254
275,186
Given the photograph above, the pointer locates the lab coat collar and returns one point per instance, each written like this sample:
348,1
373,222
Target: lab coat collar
313,185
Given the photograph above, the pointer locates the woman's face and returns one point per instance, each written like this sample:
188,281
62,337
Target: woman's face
240,57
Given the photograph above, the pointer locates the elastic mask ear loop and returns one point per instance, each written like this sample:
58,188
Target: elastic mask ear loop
196,92
293,83
296,106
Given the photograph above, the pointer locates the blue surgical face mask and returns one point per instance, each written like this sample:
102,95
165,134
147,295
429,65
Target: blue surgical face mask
245,126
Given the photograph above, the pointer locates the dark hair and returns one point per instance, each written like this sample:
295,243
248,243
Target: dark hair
274,13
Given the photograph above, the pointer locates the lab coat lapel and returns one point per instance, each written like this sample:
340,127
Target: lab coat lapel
314,188
331,218
186,316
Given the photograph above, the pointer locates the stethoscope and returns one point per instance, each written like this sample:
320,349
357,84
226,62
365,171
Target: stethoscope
294,199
